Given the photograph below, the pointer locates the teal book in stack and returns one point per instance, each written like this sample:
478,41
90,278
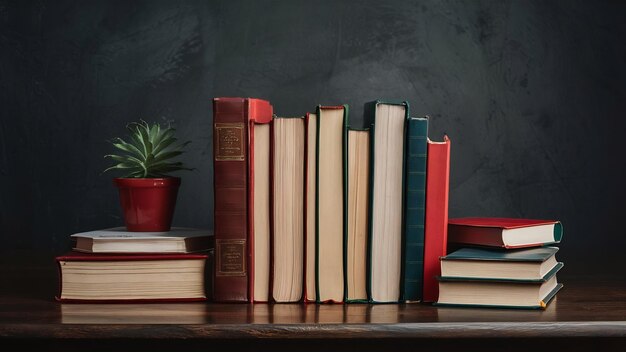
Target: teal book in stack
414,209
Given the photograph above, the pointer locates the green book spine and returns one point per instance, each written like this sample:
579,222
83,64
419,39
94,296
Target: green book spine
414,208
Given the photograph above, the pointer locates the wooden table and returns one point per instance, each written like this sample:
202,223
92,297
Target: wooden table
588,314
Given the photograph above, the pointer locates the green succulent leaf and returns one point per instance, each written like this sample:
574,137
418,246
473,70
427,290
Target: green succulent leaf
167,156
155,130
125,166
126,147
144,138
165,142
124,159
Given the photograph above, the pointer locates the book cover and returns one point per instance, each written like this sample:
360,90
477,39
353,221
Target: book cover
233,154
504,232
120,240
414,209
330,210
126,278
387,123
540,254
436,226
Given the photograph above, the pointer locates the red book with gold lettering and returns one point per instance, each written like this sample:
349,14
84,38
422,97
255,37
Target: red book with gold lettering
241,164
436,225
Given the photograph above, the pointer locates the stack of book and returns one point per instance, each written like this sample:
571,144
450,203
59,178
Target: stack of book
315,209
115,265
501,262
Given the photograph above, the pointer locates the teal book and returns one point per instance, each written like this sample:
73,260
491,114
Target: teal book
387,124
532,264
414,209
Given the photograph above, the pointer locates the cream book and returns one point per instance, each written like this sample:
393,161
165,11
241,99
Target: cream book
119,240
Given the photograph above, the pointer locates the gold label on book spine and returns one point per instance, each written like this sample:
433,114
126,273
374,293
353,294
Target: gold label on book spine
230,141
231,258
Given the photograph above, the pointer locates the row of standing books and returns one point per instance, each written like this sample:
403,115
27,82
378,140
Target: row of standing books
310,209
314,209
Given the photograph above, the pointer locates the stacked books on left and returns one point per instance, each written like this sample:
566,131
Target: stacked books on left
115,265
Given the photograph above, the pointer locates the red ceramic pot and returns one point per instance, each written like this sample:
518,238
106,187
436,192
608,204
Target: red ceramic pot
148,203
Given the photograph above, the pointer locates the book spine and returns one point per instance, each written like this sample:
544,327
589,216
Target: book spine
230,165
309,207
436,226
415,209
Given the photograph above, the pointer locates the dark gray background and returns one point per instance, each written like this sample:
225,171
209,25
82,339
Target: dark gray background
531,93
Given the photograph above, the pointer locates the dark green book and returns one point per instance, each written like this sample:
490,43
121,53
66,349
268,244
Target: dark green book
387,123
532,264
414,209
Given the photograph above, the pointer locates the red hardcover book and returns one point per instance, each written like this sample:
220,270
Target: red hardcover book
124,278
234,121
436,226
504,232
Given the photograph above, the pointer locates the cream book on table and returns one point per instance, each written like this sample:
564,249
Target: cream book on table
119,240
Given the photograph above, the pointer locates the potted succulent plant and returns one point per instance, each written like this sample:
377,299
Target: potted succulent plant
147,192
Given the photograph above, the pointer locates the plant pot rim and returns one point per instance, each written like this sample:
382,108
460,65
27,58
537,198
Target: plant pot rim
147,182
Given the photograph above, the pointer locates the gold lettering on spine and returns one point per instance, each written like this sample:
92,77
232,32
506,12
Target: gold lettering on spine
230,141
231,258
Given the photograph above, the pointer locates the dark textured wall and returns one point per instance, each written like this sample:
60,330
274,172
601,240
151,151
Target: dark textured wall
532,94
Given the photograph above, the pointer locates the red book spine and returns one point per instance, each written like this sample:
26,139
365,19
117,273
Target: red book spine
230,165
233,149
436,227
